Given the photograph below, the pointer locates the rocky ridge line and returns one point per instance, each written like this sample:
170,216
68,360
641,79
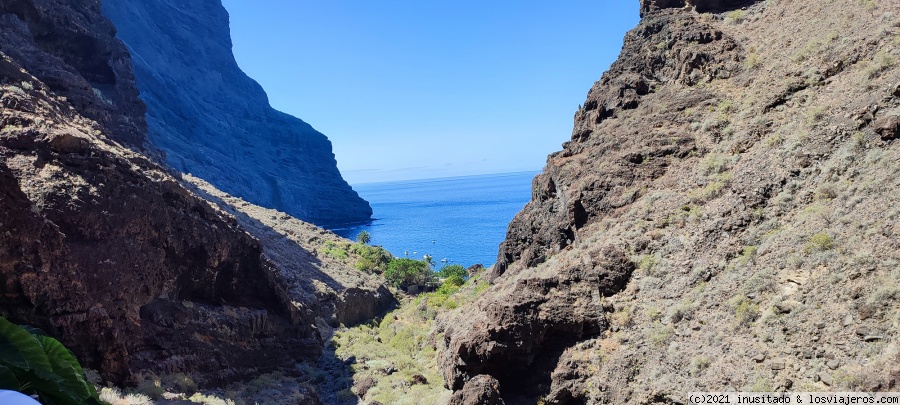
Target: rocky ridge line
741,157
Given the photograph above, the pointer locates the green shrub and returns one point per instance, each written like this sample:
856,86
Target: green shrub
735,17
181,382
335,251
405,272
454,280
698,364
372,259
453,270
363,237
746,312
36,364
820,241
151,387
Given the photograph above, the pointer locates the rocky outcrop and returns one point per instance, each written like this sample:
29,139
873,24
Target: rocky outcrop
214,122
337,292
482,389
520,331
70,47
107,251
737,156
572,192
700,6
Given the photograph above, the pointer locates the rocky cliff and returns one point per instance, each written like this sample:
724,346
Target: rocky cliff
106,250
724,217
214,122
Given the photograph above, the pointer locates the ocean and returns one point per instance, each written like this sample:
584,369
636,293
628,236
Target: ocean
456,220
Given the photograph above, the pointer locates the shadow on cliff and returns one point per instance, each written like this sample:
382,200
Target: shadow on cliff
351,299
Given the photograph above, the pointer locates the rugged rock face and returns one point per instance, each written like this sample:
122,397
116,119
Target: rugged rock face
70,47
572,191
106,250
742,159
216,123
526,325
337,292
700,6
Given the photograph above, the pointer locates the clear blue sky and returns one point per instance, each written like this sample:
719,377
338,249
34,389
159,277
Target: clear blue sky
418,89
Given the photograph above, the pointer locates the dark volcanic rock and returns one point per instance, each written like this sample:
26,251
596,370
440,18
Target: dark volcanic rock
480,390
888,127
719,153
571,192
216,123
701,6
523,328
72,48
105,250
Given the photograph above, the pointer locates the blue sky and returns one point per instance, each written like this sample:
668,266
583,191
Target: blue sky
420,89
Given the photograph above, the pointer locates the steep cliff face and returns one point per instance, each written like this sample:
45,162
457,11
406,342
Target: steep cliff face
216,123
70,47
106,250
742,158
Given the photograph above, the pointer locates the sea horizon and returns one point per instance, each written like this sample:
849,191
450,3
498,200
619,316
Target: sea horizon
448,178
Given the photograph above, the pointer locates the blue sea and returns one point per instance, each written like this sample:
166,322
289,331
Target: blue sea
456,220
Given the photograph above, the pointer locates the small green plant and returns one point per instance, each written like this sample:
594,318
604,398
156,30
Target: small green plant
660,333
748,254
698,365
647,263
735,17
869,4
181,382
36,364
363,237
753,61
746,312
713,164
151,387
335,251
819,242
880,63
816,114
713,189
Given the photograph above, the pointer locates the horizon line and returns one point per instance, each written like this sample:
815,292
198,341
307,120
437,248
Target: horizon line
442,178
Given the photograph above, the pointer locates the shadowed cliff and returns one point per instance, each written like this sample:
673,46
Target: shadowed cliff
108,251
214,122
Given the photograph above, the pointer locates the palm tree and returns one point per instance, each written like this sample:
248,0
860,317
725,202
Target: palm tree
363,237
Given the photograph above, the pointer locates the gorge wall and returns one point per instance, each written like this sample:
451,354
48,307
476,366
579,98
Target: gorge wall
723,218
106,250
214,122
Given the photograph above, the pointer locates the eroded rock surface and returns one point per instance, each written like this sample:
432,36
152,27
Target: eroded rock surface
106,250
701,6
109,252
72,48
742,158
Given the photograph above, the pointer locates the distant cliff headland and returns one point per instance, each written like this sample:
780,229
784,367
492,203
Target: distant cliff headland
214,122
